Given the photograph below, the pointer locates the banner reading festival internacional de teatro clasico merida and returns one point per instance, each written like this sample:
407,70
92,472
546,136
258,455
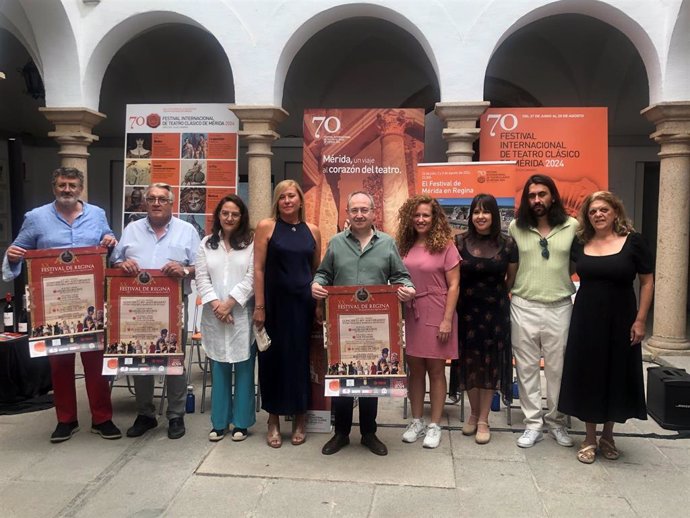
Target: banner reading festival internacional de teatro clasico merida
192,147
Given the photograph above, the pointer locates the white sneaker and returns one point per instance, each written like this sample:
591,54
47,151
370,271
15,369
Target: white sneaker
414,430
433,436
529,438
561,436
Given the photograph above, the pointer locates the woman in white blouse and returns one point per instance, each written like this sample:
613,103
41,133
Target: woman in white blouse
224,280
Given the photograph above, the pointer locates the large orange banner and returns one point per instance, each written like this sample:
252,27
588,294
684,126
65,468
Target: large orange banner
568,144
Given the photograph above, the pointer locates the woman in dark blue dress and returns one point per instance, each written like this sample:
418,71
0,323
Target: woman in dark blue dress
287,250
602,371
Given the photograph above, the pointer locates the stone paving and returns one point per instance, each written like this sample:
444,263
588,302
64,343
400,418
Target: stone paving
153,476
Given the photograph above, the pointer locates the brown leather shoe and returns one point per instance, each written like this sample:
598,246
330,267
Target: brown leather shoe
374,444
335,444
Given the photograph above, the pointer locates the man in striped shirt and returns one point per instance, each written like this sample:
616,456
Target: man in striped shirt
541,305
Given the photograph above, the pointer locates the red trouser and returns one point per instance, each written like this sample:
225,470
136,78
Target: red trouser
65,392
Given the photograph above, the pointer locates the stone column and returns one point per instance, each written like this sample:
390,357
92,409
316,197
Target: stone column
392,125
73,133
672,120
258,131
461,127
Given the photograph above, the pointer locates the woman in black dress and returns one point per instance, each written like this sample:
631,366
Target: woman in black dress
488,268
287,251
602,372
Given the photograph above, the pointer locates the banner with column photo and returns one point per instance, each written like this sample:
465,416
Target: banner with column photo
371,150
568,144
192,147
455,184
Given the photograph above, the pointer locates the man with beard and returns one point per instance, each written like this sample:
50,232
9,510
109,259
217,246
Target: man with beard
163,242
68,222
541,305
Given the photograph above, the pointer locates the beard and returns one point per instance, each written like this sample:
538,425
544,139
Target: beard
538,210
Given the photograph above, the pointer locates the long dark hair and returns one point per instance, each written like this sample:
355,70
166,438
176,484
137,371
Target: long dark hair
239,239
556,214
486,202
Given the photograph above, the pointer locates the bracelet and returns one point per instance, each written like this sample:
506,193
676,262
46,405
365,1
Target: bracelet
260,307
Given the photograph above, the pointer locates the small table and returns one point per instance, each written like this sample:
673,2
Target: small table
21,377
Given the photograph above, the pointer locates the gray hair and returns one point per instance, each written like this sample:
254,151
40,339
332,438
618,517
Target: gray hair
161,185
68,172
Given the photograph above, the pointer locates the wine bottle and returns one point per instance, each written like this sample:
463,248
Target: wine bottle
23,319
8,314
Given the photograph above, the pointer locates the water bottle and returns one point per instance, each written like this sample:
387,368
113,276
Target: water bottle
191,400
496,402
516,392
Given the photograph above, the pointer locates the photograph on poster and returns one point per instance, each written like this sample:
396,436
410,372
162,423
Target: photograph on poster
194,145
139,145
134,199
193,172
193,199
198,221
138,172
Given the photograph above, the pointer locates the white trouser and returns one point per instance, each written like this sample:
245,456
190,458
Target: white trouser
537,329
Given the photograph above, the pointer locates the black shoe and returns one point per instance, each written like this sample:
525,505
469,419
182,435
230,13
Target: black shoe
107,430
239,434
337,443
176,428
374,444
142,424
64,431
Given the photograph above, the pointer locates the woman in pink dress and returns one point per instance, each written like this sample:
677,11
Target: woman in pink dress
431,323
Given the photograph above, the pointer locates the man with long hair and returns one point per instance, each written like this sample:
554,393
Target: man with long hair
541,305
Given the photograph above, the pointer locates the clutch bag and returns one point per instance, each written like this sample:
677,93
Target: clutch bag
263,341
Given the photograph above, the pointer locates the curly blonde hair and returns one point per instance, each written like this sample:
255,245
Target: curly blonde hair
439,235
621,224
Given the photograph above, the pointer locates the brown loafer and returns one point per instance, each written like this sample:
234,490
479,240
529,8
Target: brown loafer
335,444
374,444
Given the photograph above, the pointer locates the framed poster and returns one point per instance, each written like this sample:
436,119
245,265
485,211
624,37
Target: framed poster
364,337
65,298
145,323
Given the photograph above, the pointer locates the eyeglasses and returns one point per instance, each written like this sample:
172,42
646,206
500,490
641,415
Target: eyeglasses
363,211
157,199
544,248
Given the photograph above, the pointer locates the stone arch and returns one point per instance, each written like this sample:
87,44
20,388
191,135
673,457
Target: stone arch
118,36
337,14
677,77
606,13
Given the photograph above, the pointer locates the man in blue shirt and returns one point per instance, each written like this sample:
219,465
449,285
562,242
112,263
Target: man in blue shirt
68,222
159,241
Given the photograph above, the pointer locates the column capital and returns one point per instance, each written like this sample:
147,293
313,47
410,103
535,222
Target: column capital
672,121
461,114
73,122
460,131
259,119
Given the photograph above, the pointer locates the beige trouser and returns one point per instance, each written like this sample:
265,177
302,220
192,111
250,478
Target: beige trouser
539,329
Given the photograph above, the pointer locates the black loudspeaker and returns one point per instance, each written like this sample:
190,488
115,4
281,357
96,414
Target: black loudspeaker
668,397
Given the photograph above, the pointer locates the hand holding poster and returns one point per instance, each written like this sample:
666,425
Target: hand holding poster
144,323
65,297
364,338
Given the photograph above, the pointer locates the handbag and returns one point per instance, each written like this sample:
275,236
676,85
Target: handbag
263,341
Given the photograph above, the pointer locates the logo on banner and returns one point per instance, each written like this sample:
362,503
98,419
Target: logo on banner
66,257
153,120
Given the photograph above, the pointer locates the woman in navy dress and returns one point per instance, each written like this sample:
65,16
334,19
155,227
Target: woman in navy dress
287,250
602,371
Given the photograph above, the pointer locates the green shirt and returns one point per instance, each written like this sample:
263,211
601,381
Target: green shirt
539,279
345,264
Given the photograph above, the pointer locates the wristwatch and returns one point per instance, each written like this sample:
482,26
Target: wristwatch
185,271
